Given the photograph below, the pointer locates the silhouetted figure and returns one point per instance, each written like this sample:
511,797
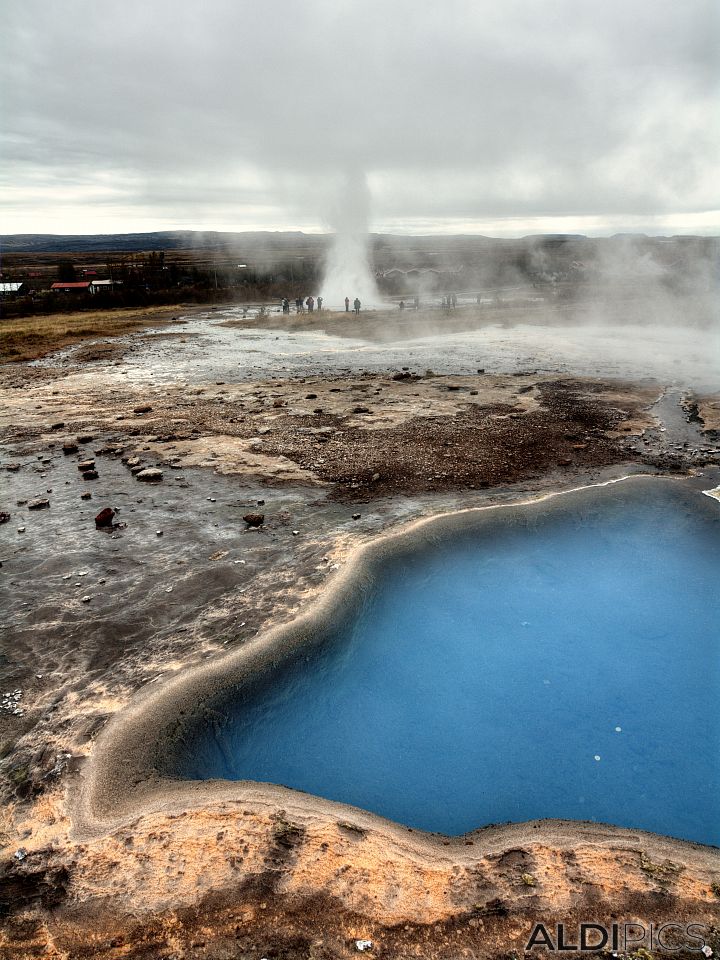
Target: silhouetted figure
320,300
356,304
454,301
402,304
310,303
299,305
416,303
347,304
445,302
286,305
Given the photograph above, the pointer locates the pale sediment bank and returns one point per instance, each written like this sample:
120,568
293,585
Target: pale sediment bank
130,769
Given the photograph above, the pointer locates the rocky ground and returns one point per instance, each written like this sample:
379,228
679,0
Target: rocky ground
94,615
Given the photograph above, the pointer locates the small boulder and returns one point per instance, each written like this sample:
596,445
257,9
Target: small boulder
70,447
254,519
90,475
105,517
150,475
86,465
85,438
86,496
57,426
4,517
42,503
143,408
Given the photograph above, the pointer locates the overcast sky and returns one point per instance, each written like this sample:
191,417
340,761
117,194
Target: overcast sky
503,117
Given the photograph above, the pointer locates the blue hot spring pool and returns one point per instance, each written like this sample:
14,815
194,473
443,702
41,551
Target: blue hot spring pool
560,662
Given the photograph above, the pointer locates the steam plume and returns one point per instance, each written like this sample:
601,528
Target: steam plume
348,272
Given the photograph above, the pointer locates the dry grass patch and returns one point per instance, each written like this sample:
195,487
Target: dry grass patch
28,338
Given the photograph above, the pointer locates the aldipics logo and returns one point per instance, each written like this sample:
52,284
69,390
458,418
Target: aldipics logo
667,937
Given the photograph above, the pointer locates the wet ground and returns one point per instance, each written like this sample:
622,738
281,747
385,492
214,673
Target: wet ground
221,345
320,428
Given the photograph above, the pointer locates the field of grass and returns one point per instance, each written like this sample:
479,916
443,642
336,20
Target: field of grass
28,338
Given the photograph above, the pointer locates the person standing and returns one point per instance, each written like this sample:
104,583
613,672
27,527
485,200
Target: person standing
310,304
347,304
320,299
356,304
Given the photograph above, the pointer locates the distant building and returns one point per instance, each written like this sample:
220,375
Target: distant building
12,289
103,286
80,286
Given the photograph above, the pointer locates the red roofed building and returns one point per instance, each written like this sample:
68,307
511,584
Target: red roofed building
81,286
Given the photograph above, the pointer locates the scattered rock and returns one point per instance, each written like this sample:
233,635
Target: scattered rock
85,438
361,410
86,496
375,477
150,475
69,447
21,529
42,503
356,516
158,533
86,599
4,517
105,517
564,461
86,465
402,376
12,467
58,426
254,519
90,475
363,945
143,408
311,396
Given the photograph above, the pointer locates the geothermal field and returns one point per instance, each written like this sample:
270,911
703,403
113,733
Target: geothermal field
393,631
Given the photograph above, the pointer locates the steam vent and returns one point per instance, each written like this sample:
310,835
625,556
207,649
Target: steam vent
359,482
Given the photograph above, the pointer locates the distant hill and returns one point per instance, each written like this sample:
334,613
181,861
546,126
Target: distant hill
298,243
161,240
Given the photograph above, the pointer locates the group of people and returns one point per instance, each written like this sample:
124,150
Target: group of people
302,302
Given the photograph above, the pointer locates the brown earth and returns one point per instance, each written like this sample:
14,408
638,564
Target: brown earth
29,338
278,877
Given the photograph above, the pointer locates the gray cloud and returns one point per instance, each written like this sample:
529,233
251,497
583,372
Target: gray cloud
470,113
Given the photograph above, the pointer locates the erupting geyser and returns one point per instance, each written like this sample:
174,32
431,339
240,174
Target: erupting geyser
348,272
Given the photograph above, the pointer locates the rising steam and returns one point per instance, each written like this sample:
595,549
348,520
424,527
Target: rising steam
347,272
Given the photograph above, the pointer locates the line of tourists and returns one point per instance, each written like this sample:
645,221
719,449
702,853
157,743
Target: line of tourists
301,303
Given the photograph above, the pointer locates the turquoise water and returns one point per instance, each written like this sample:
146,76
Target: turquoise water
562,664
